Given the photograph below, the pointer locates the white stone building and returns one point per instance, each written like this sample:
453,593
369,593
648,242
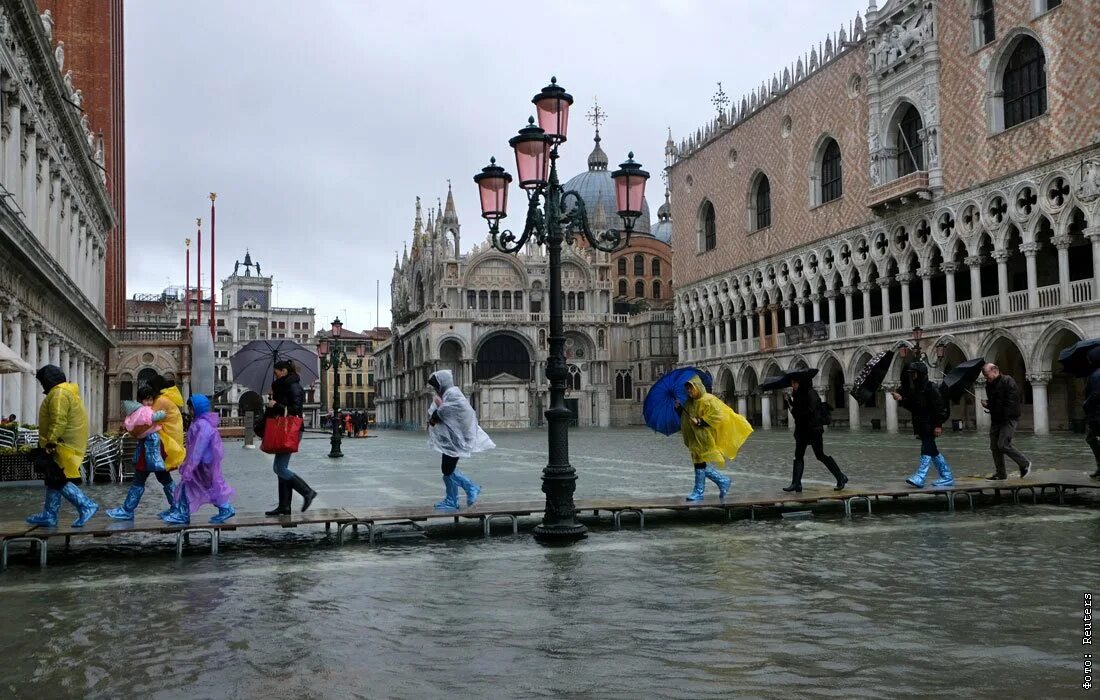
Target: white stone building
54,215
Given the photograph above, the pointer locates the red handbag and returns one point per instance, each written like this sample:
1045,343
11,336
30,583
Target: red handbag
281,434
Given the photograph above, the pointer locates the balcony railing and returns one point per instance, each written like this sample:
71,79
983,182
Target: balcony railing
897,322
939,314
1050,296
858,326
876,324
964,310
151,335
1081,291
916,317
1017,301
991,306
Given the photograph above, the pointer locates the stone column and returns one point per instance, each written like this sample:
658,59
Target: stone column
737,329
763,335
775,326
30,181
853,410
1093,234
848,292
729,333
926,292
904,278
981,416
884,294
766,410
1062,244
786,315
815,299
1001,257
55,352
866,288
66,362
13,386
949,269
974,263
82,380
891,409
1040,420
801,311
681,341
1030,250
830,295
12,157
742,403
29,414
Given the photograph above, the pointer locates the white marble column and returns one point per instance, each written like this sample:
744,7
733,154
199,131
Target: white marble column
1040,420
13,389
66,362
742,404
904,279
30,178
891,410
830,296
1062,244
29,413
974,263
866,288
737,330
981,416
949,269
884,296
848,292
13,165
55,352
729,334
801,310
1030,251
1093,234
853,410
766,410
786,314
1002,279
926,293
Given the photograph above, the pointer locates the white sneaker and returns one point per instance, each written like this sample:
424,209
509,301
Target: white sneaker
1026,471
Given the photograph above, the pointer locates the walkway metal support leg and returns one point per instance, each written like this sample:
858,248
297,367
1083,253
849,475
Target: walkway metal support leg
487,522
852,499
616,517
39,541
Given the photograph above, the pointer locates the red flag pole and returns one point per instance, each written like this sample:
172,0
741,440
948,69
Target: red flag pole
187,284
213,196
198,270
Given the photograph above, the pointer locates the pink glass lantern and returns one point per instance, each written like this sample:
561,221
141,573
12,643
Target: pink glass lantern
322,348
552,107
918,333
360,350
629,182
337,326
492,184
532,148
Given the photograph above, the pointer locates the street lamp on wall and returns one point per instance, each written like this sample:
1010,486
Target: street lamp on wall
555,216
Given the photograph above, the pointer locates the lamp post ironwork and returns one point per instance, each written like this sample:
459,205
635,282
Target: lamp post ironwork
914,347
555,216
333,354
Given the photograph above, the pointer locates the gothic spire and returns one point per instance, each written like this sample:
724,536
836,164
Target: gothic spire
450,214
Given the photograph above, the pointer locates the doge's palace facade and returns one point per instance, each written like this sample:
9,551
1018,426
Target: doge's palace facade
931,164
54,214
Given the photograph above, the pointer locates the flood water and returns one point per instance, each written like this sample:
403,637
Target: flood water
910,602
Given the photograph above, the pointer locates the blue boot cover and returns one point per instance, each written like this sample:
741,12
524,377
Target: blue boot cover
180,514
225,512
922,472
472,490
719,478
700,485
48,516
170,495
451,500
126,510
85,506
946,477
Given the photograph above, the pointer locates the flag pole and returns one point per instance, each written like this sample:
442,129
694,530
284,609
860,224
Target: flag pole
198,270
213,196
187,284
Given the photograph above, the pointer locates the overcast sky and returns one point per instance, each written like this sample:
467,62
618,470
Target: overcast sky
318,123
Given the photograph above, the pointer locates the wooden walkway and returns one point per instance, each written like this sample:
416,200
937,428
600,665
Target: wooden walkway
859,497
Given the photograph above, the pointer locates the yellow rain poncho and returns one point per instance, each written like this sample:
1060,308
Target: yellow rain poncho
171,402
62,421
723,431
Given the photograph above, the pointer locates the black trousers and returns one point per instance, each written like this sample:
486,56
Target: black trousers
140,477
813,440
928,445
448,465
1092,437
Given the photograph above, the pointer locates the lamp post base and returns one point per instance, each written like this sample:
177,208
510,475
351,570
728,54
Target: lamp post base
559,535
335,452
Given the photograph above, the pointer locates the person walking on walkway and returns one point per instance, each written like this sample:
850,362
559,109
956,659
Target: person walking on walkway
63,436
921,398
286,399
1004,413
804,403
454,432
145,425
1092,408
201,478
170,401
713,433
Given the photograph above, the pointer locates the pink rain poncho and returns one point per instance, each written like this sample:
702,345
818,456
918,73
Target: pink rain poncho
201,473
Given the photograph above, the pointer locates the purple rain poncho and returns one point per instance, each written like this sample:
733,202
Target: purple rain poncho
201,473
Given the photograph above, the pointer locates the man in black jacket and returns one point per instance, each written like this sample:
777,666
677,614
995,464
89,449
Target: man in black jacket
1004,412
1092,408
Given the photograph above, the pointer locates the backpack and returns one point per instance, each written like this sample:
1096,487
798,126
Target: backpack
825,414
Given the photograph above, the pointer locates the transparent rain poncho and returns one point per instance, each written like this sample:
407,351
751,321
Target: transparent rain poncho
456,432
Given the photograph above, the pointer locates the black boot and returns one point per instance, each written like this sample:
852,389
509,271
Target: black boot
834,469
299,484
796,477
285,494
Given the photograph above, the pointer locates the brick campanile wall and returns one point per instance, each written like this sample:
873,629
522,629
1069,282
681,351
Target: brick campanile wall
93,34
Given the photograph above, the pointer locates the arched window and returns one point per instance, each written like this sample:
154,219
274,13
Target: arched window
639,266
506,301
518,300
708,227
622,266
984,24
910,149
494,300
580,301
483,300
1025,83
571,301
831,184
471,299
622,287
624,385
639,289
574,381
655,266
656,289
224,371
761,214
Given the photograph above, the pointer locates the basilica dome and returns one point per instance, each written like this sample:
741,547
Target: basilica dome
662,230
598,191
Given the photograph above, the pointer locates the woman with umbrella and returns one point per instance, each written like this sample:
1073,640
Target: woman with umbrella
286,400
923,399
804,403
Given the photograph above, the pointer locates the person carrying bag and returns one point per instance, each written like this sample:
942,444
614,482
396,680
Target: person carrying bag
282,432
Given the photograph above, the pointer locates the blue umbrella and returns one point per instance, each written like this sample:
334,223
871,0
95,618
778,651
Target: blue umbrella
254,364
659,408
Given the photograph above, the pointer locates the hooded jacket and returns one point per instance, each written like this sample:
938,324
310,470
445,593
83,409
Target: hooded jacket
288,396
201,473
62,420
171,401
721,433
922,399
804,408
455,432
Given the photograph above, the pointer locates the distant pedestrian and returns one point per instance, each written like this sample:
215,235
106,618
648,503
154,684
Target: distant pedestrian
1004,414
805,406
286,399
712,433
1092,408
453,431
349,425
63,436
921,398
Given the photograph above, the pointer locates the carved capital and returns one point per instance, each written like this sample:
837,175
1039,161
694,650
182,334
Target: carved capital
886,281
1000,256
949,267
904,278
974,260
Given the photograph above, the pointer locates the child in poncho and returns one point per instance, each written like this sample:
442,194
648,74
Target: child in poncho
713,433
143,423
453,431
201,479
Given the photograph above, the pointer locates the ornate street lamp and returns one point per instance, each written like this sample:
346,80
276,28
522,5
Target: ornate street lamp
554,216
334,356
919,355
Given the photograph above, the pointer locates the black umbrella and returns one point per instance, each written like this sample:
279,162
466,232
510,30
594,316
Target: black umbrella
870,378
784,380
254,364
958,380
1075,359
